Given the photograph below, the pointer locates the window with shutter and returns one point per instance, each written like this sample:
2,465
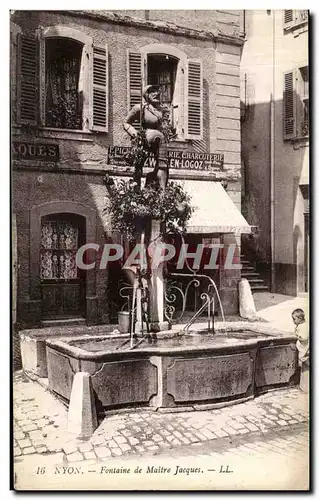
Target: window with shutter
99,90
194,101
289,102
134,80
295,18
288,16
28,86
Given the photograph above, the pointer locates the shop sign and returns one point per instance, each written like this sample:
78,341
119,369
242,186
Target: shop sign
35,151
117,155
194,161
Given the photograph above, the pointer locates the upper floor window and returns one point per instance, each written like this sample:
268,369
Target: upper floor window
62,80
162,72
295,18
181,86
63,101
296,103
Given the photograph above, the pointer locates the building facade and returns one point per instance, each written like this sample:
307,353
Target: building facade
275,145
75,76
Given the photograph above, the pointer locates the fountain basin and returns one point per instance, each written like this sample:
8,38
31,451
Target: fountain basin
175,370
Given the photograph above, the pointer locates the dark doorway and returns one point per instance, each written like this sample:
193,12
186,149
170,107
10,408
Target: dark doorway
62,283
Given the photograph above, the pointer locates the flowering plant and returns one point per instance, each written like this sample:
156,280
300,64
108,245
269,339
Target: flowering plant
130,206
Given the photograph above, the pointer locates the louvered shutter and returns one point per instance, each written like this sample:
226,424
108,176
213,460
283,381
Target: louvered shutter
99,98
289,103
28,80
194,101
134,80
288,17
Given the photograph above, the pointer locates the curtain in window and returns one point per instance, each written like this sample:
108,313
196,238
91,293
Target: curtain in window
59,242
63,106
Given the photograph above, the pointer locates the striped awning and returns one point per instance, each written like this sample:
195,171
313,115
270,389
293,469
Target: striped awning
214,212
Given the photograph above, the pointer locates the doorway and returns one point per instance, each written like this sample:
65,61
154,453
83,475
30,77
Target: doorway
62,282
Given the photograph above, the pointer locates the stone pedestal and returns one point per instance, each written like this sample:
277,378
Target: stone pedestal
247,309
82,419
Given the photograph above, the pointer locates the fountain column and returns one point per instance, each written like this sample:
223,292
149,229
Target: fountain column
156,284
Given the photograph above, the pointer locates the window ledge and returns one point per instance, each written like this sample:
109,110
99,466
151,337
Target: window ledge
297,29
59,133
300,141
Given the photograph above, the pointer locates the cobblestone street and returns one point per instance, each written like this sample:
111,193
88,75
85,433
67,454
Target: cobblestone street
273,425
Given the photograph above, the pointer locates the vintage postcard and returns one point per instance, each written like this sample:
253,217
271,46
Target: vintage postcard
160,249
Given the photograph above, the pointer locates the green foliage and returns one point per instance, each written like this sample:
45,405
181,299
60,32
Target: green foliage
130,206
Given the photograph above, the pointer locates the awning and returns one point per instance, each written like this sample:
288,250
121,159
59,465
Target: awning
214,212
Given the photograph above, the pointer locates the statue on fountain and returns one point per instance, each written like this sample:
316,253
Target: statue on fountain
151,117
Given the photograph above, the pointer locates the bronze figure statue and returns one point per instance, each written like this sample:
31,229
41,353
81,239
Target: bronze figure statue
150,116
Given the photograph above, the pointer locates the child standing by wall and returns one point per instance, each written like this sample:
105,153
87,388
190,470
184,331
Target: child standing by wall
302,333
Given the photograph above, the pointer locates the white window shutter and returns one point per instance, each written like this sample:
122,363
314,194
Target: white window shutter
134,81
289,18
99,86
14,33
42,88
194,101
28,79
289,105
134,78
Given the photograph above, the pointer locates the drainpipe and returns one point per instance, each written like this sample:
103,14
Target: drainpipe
272,162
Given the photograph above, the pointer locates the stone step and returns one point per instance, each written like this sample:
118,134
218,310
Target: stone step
248,268
255,281
63,322
259,288
249,274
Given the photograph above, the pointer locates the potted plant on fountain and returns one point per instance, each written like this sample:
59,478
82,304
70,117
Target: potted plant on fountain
146,212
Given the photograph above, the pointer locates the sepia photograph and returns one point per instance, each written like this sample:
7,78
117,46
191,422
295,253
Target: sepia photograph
160,250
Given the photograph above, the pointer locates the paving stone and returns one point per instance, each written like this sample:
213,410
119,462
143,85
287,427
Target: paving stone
243,431
36,434
116,451
219,433
112,444
120,439
28,451
229,430
207,433
42,422
126,432
125,447
282,422
102,451
17,451
24,443
41,449
70,448
140,448
54,448
136,428
176,442
154,447
97,440
85,447
133,441
164,432
252,427
75,457
237,425
19,434
89,455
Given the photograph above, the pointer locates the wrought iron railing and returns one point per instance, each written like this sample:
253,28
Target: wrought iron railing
177,296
